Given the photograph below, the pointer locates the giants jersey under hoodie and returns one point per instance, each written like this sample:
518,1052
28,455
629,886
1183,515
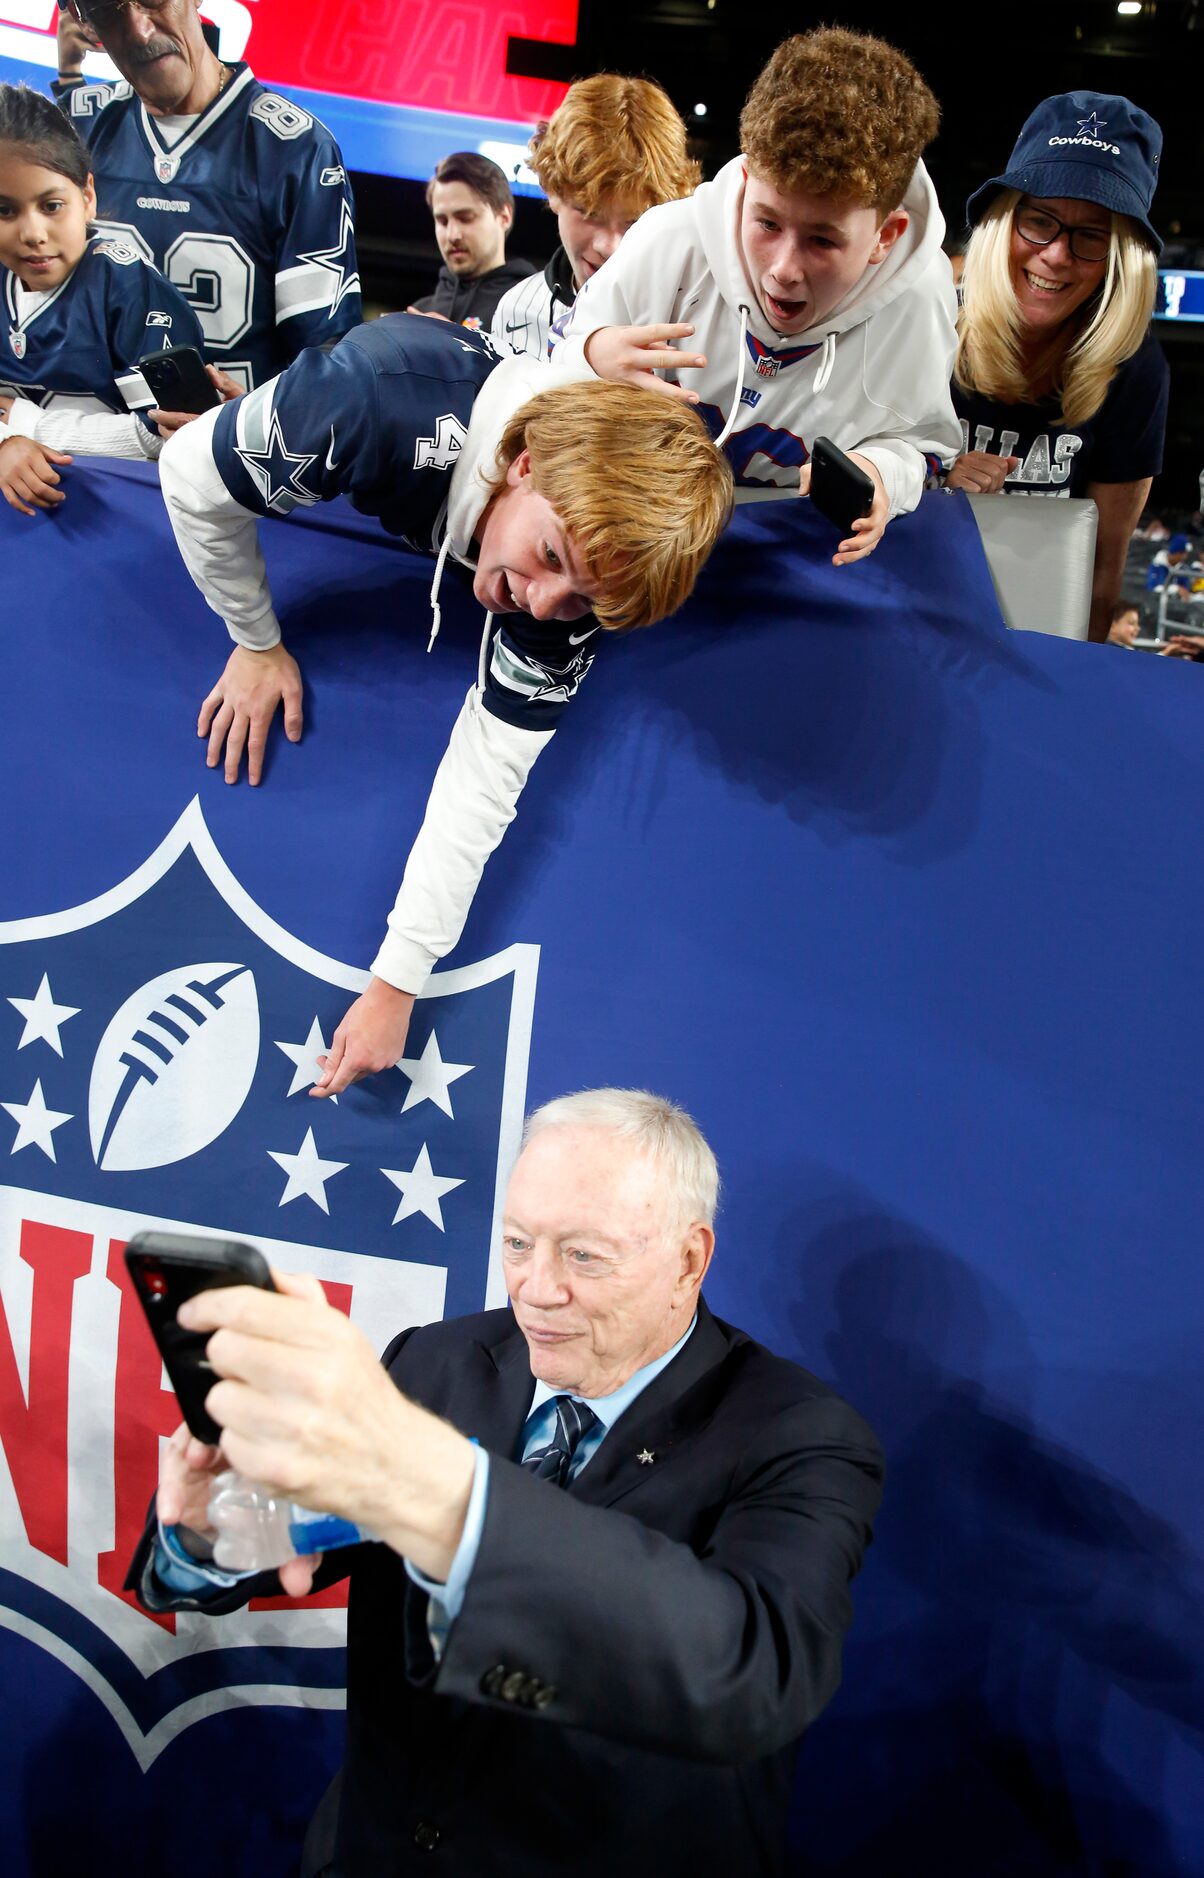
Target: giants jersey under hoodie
873,375
404,417
247,211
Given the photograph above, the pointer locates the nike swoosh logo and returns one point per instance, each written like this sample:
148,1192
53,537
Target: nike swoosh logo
577,639
330,462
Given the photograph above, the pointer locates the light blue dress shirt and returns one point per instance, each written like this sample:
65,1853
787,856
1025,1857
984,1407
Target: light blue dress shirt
537,1431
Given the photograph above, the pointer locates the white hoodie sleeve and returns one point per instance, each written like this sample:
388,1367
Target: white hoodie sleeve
82,433
908,361
630,289
217,537
471,804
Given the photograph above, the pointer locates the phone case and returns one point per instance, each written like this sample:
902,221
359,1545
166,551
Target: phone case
840,489
178,380
166,1268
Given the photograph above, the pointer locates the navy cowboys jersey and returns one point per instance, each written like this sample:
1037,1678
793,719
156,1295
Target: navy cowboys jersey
382,419
249,214
67,351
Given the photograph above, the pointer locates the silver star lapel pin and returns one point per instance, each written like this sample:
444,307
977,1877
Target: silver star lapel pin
645,1457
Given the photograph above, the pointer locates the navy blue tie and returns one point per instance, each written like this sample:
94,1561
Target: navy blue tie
554,1460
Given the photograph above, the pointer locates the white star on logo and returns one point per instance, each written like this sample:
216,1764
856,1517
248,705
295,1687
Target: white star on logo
43,1017
421,1190
1091,126
334,259
35,1122
307,1173
430,1077
304,1057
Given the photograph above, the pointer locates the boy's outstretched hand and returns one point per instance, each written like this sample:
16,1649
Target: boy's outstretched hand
371,1037
629,355
869,529
239,710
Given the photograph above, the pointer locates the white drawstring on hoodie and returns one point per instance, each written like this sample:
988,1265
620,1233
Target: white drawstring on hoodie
827,361
733,413
437,613
436,609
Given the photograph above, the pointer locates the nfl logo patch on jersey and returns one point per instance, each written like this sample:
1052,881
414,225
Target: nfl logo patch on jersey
166,167
767,368
17,342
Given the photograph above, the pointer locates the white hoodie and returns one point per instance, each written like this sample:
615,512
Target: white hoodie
873,376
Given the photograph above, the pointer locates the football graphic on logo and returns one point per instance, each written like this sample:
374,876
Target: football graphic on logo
174,1067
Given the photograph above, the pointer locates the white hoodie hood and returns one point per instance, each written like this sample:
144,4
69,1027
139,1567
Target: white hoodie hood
507,388
873,374
717,206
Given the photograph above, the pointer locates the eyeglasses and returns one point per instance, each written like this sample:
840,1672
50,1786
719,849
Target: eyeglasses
1039,228
102,13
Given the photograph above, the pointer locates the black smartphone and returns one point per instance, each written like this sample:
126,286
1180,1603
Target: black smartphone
839,488
178,379
166,1268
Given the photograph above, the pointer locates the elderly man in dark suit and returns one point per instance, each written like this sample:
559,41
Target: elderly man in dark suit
613,1536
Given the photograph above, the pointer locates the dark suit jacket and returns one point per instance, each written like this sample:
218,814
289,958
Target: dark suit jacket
624,1689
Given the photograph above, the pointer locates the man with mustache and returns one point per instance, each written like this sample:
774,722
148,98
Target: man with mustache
233,191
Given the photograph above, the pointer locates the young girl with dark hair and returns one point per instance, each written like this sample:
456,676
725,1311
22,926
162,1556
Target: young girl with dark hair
76,312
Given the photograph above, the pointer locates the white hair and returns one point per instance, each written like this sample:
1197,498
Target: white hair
654,1127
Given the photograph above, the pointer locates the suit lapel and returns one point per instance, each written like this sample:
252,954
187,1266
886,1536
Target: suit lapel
661,1422
493,1394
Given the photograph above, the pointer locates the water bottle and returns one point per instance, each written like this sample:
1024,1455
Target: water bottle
257,1529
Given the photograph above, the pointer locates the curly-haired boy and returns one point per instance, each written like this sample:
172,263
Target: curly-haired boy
613,148
810,273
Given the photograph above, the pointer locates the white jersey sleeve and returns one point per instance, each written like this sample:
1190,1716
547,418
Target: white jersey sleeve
217,537
471,805
629,289
83,433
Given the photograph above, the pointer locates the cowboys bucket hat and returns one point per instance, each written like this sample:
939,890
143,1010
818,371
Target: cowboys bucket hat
1089,147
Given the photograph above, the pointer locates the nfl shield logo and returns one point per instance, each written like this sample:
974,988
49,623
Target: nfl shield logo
156,1049
166,167
17,342
767,368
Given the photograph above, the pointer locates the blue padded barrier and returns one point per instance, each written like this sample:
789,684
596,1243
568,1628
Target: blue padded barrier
906,909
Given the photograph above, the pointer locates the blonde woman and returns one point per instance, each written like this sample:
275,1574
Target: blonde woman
1060,387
